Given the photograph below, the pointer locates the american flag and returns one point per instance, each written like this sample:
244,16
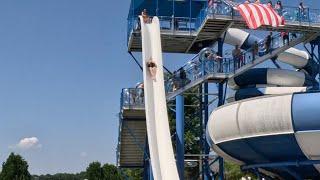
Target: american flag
256,15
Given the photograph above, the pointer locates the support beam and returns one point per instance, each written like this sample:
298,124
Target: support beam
220,103
150,172
220,94
281,164
147,170
319,58
295,175
206,147
221,169
180,135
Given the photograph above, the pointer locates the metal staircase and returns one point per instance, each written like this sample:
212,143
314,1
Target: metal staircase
132,129
226,71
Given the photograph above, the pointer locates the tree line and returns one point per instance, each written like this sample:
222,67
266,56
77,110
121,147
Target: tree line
16,168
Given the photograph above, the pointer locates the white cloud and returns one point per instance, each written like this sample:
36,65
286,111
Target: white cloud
83,154
28,143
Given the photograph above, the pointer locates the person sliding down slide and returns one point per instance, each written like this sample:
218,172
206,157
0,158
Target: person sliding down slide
152,67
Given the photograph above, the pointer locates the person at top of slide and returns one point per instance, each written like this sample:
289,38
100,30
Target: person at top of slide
257,2
269,3
145,16
152,67
247,2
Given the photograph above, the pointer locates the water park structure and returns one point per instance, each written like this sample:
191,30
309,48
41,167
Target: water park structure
264,119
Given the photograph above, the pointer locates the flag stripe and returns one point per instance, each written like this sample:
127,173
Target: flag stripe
263,14
256,15
246,15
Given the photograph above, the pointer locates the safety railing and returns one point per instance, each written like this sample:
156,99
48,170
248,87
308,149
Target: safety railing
222,8
290,14
132,98
197,68
184,24
177,23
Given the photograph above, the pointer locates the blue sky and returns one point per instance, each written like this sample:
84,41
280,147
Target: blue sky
62,67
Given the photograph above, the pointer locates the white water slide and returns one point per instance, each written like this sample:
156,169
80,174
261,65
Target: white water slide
160,147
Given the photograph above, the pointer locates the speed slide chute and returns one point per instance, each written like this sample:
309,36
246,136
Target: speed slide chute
160,147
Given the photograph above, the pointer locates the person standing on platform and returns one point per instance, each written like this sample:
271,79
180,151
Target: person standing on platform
236,53
267,44
285,37
255,50
302,12
216,58
140,91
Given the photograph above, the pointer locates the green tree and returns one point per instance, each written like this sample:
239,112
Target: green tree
233,171
134,173
61,176
110,172
94,171
15,168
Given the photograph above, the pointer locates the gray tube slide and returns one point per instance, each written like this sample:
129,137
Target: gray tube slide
270,77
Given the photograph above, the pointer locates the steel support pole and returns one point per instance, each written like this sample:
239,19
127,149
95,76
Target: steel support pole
220,103
221,169
147,163
220,94
190,14
180,135
319,57
203,130
150,171
157,9
205,120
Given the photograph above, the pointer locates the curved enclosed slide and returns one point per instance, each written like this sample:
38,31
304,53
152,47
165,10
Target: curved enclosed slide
257,82
280,126
159,139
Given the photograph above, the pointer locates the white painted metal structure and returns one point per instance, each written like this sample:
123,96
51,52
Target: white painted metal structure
159,139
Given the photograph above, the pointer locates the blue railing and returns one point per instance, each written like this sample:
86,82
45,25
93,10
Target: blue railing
186,24
132,98
199,67
291,14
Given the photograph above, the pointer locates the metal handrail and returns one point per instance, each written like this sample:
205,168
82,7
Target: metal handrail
223,8
132,98
195,68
